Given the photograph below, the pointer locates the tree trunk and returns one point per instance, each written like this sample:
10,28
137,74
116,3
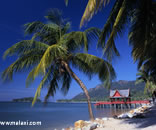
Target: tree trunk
82,86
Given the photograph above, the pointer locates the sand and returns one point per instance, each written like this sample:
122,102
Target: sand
115,124
146,123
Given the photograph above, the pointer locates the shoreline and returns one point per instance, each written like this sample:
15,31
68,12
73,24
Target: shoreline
147,122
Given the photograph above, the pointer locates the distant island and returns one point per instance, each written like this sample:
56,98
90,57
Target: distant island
27,99
100,93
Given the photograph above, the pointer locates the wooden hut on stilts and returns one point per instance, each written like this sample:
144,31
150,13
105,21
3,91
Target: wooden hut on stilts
119,98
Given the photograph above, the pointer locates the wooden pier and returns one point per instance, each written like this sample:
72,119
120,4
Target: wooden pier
121,104
120,99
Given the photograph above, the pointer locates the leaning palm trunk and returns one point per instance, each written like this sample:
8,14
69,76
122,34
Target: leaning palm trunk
82,86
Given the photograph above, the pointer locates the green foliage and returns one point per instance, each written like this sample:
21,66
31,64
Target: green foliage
150,84
66,2
107,31
77,39
55,16
140,15
142,33
42,83
25,47
24,62
52,45
92,7
114,27
27,99
91,64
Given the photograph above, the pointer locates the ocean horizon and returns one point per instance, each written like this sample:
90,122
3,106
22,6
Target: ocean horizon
52,116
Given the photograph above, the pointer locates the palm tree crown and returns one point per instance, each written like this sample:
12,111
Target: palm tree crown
51,52
139,14
139,17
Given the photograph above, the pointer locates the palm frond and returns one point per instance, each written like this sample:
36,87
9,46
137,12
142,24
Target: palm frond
106,31
66,2
120,20
42,83
76,40
53,84
147,87
30,77
53,53
138,81
66,81
148,78
55,16
92,34
23,46
25,62
66,28
142,32
92,7
33,27
48,33
91,64
38,26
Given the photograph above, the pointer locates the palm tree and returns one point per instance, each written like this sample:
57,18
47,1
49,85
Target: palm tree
51,52
142,33
139,14
144,77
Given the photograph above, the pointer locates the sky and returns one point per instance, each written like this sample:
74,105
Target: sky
15,13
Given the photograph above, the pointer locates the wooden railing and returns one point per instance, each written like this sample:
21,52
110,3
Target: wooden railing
123,102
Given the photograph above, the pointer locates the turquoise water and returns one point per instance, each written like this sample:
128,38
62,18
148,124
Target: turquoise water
53,115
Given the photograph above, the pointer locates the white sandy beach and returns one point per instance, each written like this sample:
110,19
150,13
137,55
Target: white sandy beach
115,124
148,122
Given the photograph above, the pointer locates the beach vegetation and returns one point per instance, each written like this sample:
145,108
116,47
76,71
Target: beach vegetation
136,16
52,53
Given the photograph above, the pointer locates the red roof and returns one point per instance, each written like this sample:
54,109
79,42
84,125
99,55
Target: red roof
119,93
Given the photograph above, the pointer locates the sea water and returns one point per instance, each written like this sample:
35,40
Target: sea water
51,116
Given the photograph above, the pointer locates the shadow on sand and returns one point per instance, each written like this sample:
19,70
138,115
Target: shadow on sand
148,120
